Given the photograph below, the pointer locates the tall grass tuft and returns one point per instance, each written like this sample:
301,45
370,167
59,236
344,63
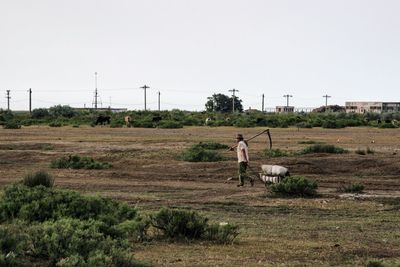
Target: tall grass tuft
197,153
38,178
352,188
275,153
321,148
295,186
78,162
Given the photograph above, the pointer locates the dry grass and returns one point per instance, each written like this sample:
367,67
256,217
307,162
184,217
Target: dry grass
333,229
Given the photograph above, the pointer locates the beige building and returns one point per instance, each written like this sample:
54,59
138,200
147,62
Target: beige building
374,107
284,109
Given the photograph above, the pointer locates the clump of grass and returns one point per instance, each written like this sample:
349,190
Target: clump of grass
275,153
199,154
212,145
320,148
38,178
189,225
309,142
295,186
364,152
376,264
169,124
370,150
12,124
360,152
47,147
352,188
78,162
55,124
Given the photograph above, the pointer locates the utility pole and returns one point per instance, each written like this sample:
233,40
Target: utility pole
144,87
233,99
287,99
95,91
30,100
326,101
262,107
8,99
159,100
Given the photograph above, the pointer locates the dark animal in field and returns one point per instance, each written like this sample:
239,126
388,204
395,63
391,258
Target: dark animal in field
156,118
103,119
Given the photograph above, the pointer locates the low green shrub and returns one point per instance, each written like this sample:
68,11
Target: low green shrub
321,148
212,145
376,264
352,188
189,225
304,124
12,124
221,233
275,153
38,178
198,154
370,150
168,124
360,152
64,228
75,125
78,162
179,224
244,123
387,125
309,142
143,124
295,186
39,203
56,123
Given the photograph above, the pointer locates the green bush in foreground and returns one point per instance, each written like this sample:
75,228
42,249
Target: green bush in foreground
321,148
63,228
78,162
180,224
38,178
295,186
199,154
352,188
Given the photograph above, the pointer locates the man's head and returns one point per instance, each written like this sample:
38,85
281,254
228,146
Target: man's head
239,137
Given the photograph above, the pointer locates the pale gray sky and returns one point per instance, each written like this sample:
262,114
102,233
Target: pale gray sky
189,49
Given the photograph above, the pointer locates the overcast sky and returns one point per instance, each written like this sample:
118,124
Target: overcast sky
190,49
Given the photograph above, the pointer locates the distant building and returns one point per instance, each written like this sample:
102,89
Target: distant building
284,109
374,107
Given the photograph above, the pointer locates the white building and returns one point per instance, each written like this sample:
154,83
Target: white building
374,107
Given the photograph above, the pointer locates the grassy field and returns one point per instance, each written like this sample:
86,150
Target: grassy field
334,229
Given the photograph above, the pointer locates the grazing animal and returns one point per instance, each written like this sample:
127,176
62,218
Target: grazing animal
156,118
208,120
128,120
103,119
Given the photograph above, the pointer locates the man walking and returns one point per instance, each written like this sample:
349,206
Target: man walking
243,160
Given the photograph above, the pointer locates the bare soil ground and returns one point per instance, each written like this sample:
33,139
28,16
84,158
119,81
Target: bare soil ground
332,229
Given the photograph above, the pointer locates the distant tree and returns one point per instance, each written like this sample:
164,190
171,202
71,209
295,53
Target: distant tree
64,111
39,113
223,103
